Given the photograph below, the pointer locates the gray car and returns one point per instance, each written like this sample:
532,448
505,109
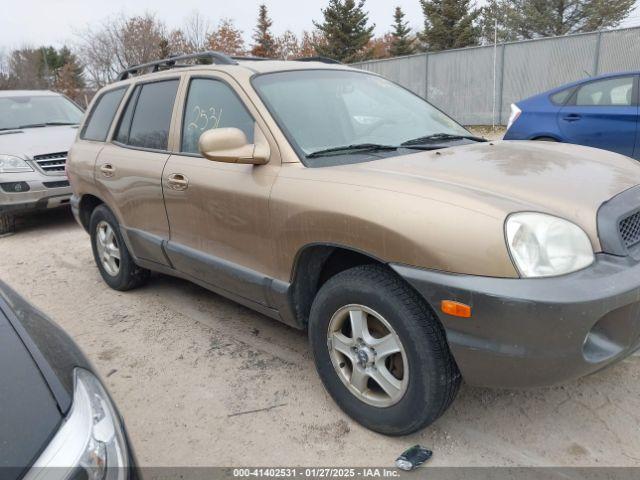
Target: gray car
36,130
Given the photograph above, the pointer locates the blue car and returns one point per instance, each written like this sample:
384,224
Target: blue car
600,112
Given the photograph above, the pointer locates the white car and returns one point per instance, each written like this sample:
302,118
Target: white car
36,130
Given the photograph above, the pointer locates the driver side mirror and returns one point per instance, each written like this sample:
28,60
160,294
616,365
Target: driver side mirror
230,145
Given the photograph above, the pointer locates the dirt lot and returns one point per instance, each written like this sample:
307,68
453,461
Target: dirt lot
490,133
203,381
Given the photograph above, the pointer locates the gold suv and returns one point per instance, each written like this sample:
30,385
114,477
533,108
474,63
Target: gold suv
414,253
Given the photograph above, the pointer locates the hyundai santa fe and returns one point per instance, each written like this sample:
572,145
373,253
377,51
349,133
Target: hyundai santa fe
333,200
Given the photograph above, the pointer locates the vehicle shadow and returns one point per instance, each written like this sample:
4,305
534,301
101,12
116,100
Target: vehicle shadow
589,421
54,219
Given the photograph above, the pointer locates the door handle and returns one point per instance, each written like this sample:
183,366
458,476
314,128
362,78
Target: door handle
107,169
572,117
177,181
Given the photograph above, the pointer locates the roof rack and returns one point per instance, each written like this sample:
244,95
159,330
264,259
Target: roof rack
251,58
318,59
217,58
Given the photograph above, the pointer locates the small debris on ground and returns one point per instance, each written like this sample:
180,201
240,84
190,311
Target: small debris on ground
413,457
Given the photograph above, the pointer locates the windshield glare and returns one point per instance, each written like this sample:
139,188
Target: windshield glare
16,112
322,109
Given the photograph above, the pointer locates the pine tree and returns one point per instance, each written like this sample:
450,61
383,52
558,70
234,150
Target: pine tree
402,42
265,44
525,19
75,70
449,24
52,61
345,30
503,14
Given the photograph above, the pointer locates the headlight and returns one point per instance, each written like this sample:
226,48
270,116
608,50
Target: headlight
90,443
11,164
543,245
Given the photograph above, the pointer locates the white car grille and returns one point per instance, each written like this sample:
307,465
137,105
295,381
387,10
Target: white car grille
51,163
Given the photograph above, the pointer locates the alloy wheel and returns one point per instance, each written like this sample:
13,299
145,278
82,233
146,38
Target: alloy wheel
108,249
368,355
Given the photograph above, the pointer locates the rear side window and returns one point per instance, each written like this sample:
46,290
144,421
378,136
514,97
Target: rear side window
97,126
122,135
610,92
147,118
212,104
561,97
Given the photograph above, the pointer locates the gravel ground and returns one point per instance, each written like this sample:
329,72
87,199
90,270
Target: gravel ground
203,381
490,133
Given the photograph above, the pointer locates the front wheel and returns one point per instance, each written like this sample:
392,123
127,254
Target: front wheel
114,261
380,351
7,223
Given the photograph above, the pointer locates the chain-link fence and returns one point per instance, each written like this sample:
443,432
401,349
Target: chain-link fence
477,85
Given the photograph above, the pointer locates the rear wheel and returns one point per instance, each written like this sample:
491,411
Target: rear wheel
545,139
114,261
380,351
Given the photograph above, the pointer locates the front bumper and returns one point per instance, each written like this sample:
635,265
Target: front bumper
44,192
543,331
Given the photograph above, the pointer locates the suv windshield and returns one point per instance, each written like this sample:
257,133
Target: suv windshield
324,110
37,111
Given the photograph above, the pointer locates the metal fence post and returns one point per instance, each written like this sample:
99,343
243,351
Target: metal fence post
426,73
501,88
596,60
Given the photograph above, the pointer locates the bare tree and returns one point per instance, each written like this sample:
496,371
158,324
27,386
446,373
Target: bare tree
380,47
66,83
310,41
196,30
7,82
177,44
287,46
227,38
120,43
25,68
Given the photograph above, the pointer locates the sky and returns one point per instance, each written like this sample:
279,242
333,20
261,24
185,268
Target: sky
56,22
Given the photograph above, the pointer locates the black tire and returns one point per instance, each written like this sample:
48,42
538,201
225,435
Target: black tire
545,139
129,274
434,377
7,223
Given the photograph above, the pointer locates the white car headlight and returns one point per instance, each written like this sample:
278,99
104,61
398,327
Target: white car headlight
13,164
90,443
544,246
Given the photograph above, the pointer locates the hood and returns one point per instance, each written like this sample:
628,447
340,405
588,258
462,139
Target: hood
37,141
502,177
29,412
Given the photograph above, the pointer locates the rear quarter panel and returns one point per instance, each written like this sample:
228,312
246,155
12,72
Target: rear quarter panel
81,165
539,118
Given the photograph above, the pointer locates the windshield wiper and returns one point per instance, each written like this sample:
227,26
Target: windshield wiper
360,147
46,124
439,137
